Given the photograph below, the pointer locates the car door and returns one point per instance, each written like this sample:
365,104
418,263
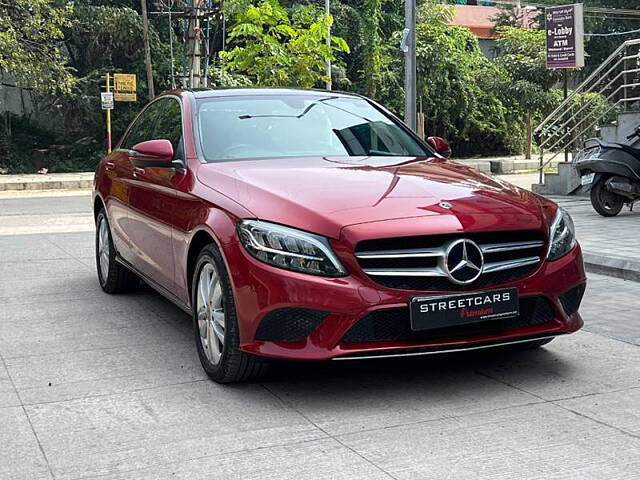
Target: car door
152,200
119,168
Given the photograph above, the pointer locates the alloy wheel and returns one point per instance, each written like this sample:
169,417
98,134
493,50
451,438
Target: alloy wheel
210,311
103,249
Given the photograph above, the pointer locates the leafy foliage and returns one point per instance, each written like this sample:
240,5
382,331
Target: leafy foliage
30,33
372,46
277,49
481,106
527,93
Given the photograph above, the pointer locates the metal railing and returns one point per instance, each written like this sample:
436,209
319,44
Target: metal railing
613,87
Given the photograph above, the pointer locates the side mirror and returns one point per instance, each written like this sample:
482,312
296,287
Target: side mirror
440,145
152,153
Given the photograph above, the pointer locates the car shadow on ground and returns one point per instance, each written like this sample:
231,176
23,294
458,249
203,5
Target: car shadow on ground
451,371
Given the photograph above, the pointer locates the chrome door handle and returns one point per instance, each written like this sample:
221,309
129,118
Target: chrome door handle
109,166
138,171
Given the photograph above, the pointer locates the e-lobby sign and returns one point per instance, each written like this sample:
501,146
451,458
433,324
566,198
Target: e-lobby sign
565,36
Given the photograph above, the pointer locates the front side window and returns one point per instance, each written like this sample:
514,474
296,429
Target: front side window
143,127
161,119
254,127
169,124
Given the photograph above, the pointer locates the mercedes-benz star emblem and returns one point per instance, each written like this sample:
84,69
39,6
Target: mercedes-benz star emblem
464,261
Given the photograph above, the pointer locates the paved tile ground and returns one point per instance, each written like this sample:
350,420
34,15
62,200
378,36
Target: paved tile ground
618,236
610,244
110,387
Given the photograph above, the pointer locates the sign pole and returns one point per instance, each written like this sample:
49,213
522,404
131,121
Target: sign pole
410,64
108,119
565,75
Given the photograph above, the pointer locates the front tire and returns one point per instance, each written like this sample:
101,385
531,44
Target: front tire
113,277
215,324
606,203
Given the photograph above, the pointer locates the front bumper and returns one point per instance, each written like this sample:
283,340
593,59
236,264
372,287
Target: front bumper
262,290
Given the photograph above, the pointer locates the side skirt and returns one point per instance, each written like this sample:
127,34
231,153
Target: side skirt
156,286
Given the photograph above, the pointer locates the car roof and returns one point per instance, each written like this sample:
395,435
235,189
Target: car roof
235,92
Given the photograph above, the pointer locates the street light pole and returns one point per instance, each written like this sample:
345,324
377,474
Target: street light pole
327,9
410,64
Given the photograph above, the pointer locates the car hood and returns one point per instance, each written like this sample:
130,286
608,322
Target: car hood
325,194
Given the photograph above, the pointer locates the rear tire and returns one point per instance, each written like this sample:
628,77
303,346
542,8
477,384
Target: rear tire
215,324
113,276
606,203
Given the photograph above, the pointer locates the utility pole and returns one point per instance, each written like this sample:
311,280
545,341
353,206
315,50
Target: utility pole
410,63
147,49
194,44
327,9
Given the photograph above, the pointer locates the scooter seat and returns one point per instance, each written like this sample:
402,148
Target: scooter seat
621,146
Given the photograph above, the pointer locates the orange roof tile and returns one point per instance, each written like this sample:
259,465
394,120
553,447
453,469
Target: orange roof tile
476,18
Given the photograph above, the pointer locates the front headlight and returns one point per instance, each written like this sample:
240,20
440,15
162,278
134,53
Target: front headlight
562,235
289,248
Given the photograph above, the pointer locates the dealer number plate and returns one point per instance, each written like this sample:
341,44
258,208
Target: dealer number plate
587,179
450,310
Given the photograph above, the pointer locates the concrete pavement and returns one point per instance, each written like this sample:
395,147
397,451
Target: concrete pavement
110,387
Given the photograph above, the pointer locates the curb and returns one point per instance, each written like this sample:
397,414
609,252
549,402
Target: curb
46,185
611,266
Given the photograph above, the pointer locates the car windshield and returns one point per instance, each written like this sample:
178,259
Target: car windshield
254,127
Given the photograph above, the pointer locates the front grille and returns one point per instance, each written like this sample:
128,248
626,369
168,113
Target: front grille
289,324
420,263
392,324
571,299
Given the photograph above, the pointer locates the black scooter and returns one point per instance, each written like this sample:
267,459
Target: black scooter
612,171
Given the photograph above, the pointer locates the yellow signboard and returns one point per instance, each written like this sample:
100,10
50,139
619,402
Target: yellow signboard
124,97
124,87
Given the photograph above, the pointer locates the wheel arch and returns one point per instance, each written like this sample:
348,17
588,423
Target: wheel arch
98,205
199,240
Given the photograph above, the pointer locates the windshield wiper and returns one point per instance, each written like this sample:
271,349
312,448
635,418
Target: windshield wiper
304,112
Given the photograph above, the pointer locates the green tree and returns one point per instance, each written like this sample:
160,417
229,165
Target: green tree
30,36
372,13
275,48
104,39
454,84
528,91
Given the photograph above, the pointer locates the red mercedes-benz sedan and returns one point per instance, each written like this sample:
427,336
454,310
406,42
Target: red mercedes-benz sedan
315,225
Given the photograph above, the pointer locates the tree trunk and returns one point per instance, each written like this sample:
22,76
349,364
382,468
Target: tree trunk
147,49
529,139
420,125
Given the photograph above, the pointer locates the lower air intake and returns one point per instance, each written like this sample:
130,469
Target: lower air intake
392,324
571,300
289,324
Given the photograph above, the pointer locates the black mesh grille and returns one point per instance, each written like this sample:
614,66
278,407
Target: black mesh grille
393,324
571,300
442,283
289,324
